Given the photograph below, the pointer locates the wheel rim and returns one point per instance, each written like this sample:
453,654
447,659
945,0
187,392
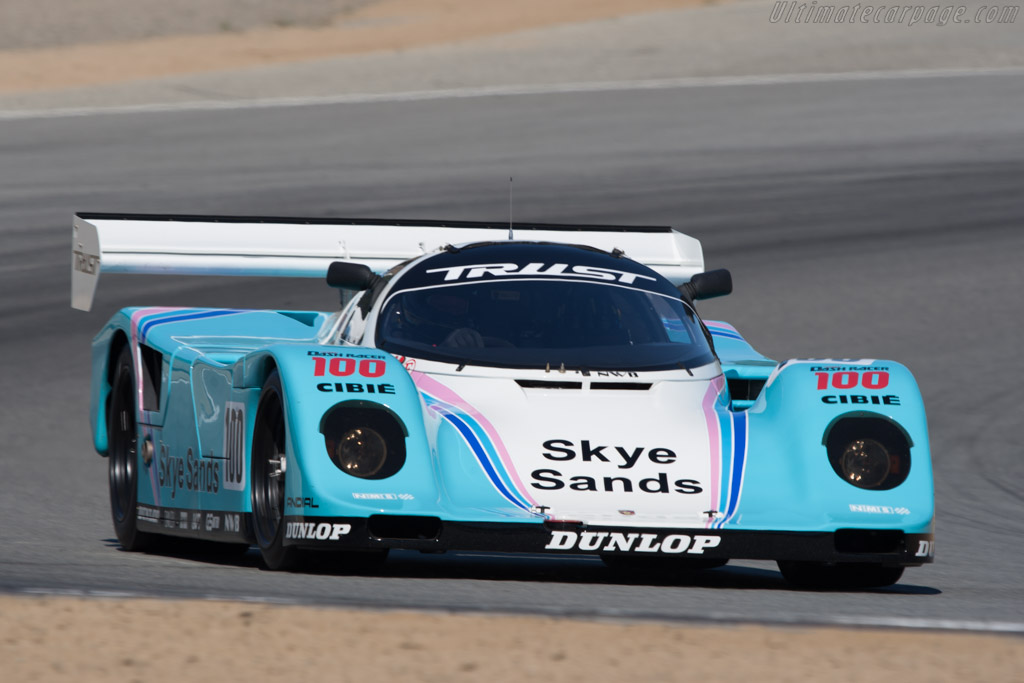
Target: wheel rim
123,446
267,460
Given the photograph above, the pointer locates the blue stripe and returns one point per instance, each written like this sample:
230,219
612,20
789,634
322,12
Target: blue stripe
478,450
739,423
725,447
152,322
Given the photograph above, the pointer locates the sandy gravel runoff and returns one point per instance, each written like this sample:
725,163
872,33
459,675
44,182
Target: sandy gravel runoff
51,44
75,639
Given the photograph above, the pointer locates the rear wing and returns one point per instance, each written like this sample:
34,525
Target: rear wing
305,247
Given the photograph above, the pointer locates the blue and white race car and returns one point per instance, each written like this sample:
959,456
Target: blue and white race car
533,388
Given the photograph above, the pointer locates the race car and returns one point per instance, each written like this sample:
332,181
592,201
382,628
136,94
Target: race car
527,388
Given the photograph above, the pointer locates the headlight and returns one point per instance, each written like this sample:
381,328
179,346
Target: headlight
364,439
868,452
360,452
865,463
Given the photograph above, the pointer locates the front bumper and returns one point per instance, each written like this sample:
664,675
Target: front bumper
891,547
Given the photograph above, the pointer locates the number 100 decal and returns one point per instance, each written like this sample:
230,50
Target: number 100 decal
873,379
343,367
234,446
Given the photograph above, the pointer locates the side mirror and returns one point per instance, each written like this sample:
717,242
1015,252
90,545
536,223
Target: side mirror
707,285
354,276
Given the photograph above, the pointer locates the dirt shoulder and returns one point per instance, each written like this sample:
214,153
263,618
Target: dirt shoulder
58,638
314,33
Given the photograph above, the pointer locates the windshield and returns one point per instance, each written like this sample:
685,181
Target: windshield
540,323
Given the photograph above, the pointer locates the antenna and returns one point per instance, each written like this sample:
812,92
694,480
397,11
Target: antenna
510,208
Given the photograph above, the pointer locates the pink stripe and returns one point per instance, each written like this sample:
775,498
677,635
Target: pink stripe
136,352
718,324
714,440
442,392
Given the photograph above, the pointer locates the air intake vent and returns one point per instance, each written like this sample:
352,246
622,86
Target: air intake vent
404,527
872,541
745,389
620,386
545,384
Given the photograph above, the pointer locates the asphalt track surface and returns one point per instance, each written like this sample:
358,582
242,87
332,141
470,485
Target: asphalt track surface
876,218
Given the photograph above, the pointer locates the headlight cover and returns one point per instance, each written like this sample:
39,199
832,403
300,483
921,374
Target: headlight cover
865,463
869,453
360,452
364,439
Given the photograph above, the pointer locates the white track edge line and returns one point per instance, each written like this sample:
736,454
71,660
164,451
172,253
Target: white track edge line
506,90
900,623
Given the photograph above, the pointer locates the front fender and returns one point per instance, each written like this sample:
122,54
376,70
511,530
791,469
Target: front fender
791,482
314,379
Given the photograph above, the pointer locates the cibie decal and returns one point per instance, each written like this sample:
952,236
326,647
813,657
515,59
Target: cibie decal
614,541
860,399
311,531
355,388
479,270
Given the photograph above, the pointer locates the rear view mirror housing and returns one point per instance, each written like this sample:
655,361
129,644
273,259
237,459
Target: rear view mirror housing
707,285
351,276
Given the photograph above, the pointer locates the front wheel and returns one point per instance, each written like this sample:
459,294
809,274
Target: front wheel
268,471
840,576
122,456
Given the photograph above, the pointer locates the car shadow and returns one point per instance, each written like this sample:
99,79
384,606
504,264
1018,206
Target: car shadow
591,570
411,564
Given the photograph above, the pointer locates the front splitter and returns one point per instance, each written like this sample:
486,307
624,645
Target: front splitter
883,546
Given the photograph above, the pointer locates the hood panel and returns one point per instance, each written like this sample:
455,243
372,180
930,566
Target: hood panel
618,456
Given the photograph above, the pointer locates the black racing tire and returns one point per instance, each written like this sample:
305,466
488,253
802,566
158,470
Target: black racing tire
839,576
267,478
123,456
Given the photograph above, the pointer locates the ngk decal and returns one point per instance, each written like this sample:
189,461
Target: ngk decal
615,541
